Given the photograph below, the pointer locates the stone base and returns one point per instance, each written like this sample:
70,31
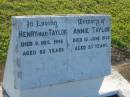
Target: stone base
110,85
115,84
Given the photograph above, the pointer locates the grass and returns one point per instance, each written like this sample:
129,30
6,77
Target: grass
118,9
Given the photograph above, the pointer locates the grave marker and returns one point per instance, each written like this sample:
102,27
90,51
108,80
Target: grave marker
52,50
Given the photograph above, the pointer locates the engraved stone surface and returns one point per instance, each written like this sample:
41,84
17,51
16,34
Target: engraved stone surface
50,50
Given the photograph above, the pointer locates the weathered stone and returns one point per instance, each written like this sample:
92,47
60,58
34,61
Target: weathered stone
51,50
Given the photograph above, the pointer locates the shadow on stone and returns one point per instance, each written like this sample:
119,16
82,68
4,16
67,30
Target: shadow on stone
113,95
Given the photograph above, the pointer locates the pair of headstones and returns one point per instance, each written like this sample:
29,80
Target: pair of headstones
58,56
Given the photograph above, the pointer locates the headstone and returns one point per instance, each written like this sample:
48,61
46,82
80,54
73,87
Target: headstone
48,51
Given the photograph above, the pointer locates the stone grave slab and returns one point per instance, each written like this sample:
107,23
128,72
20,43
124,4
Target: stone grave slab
52,50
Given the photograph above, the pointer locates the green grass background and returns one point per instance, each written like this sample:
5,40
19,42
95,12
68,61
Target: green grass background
118,9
